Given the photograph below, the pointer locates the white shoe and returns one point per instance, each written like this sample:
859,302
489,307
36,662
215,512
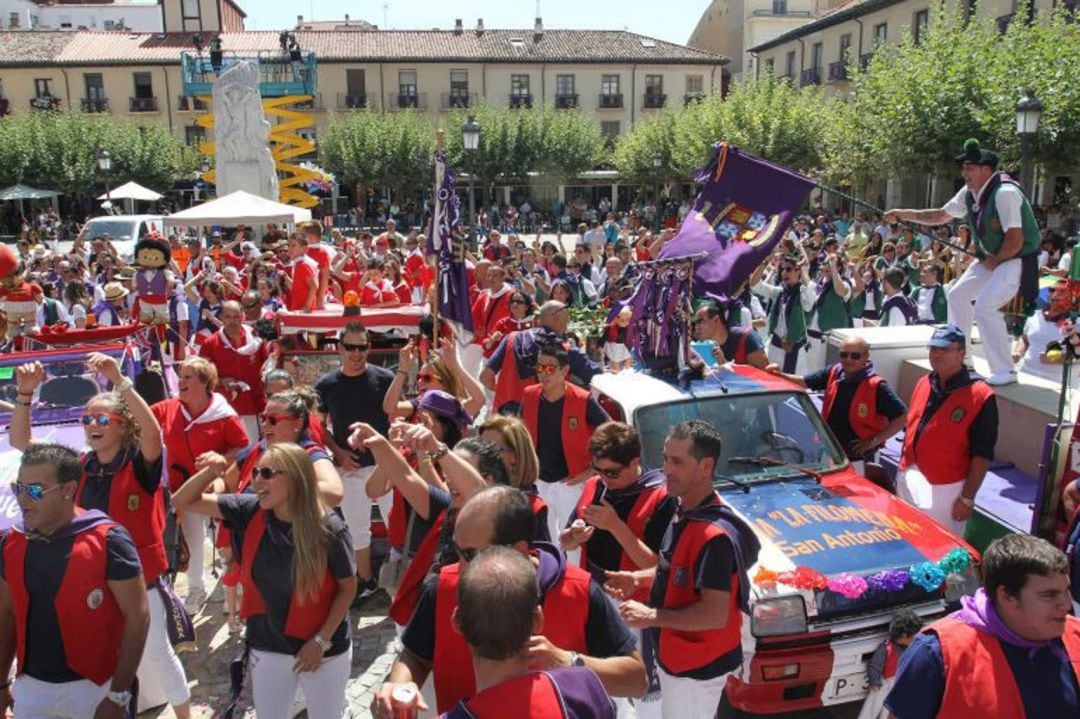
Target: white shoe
1001,378
194,601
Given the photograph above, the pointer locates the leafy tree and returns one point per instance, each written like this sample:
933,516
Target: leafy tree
369,148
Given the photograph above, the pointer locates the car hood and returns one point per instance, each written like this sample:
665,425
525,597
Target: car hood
845,524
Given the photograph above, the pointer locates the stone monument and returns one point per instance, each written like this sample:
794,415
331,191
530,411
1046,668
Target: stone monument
242,135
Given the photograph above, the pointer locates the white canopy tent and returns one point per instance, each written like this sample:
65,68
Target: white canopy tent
132,192
238,208
19,193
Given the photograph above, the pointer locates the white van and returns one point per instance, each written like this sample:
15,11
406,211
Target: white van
123,230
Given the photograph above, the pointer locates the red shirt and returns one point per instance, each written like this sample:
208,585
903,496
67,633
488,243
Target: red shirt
404,292
23,292
234,260
184,441
305,278
246,368
373,294
321,255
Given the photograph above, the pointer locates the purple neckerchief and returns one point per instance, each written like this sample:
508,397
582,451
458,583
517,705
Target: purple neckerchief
978,613
647,480
867,371
552,564
82,522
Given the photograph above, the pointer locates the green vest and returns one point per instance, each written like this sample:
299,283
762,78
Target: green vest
939,305
990,242
832,311
796,319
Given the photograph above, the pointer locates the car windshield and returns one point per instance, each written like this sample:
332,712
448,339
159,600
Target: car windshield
67,384
765,434
117,230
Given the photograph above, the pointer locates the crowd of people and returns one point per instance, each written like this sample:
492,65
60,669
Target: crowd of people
532,557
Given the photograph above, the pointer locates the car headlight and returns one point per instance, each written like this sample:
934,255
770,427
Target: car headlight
779,616
963,584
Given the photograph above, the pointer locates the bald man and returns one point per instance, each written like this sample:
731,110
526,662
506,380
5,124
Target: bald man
239,354
860,407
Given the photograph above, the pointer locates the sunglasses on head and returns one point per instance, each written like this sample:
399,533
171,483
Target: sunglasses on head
349,347
607,472
265,473
34,491
466,553
102,419
851,355
273,419
547,369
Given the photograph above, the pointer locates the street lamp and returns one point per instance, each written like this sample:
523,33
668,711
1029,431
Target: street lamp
104,162
657,162
470,140
1028,112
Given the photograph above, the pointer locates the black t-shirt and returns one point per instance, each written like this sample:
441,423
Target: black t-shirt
346,400
46,564
95,492
605,633
549,446
272,572
604,551
889,405
752,344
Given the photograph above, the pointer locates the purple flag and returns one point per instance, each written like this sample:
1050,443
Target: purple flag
744,209
446,242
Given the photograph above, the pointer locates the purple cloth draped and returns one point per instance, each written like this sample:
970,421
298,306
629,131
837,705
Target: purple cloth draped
978,612
743,210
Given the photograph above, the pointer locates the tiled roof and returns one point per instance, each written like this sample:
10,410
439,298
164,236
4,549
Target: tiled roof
843,13
572,46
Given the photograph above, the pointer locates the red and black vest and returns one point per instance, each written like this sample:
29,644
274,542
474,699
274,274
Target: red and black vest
863,414
644,506
509,385
942,450
575,429
140,513
305,618
683,651
91,625
530,696
566,610
978,678
408,591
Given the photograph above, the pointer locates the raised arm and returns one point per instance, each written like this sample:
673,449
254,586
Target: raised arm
474,399
392,467
150,442
27,378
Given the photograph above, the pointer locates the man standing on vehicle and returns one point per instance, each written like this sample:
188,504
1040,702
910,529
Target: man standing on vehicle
736,344
860,407
952,426
1012,650
349,395
700,587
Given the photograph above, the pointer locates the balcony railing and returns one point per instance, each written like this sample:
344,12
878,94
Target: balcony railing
611,102
143,104
315,103
185,103
810,77
691,97
454,100
407,101
837,71
864,60
655,100
95,104
768,12
566,101
521,100
45,102
1003,22
345,101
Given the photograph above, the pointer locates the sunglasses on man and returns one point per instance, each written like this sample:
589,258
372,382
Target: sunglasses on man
35,492
851,355
608,472
350,347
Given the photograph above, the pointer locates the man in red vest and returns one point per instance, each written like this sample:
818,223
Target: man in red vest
860,407
239,355
1011,651
582,627
700,588
951,431
497,615
560,417
80,647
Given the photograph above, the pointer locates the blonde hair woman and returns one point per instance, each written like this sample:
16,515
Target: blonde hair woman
299,577
516,448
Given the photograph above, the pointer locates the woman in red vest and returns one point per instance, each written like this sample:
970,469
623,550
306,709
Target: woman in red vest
298,571
123,477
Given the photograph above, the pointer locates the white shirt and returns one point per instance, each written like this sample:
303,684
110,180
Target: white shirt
1008,200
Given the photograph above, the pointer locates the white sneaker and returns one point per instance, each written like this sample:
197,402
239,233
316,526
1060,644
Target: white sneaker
194,601
1001,378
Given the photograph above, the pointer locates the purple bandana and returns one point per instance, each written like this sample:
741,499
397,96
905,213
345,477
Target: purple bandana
978,612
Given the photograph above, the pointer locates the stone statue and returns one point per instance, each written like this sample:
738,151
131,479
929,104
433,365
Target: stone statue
242,135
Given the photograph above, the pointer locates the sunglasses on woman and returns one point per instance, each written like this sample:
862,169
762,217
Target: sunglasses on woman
273,419
101,419
425,377
34,491
265,472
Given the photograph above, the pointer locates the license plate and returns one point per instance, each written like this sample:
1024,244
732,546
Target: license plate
850,686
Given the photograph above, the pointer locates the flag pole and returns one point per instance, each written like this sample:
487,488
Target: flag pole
439,140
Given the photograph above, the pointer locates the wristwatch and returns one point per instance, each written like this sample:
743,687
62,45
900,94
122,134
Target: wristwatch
436,454
967,502
576,660
120,699
123,385
323,644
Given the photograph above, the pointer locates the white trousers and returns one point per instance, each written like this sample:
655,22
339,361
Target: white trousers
562,501
194,528
874,705
161,675
35,699
777,355
356,505
934,500
815,354
682,698
988,290
273,685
